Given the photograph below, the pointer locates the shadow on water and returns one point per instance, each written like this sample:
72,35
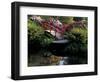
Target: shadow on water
54,55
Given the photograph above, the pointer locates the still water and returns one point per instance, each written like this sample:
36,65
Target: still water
42,60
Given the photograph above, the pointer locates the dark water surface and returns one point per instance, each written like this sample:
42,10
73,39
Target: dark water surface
42,60
55,55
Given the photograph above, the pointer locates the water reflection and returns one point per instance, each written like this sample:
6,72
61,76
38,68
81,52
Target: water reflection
50,59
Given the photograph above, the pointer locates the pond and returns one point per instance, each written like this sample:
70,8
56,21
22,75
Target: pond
49,59
54,54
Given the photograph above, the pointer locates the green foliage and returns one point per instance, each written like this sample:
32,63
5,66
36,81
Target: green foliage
66,20
78,18
78,41
34,30
48,17
46,39
37,34
45,17
77,35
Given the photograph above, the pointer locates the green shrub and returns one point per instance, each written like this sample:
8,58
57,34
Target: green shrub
77,35
34,30
77,42
36,34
